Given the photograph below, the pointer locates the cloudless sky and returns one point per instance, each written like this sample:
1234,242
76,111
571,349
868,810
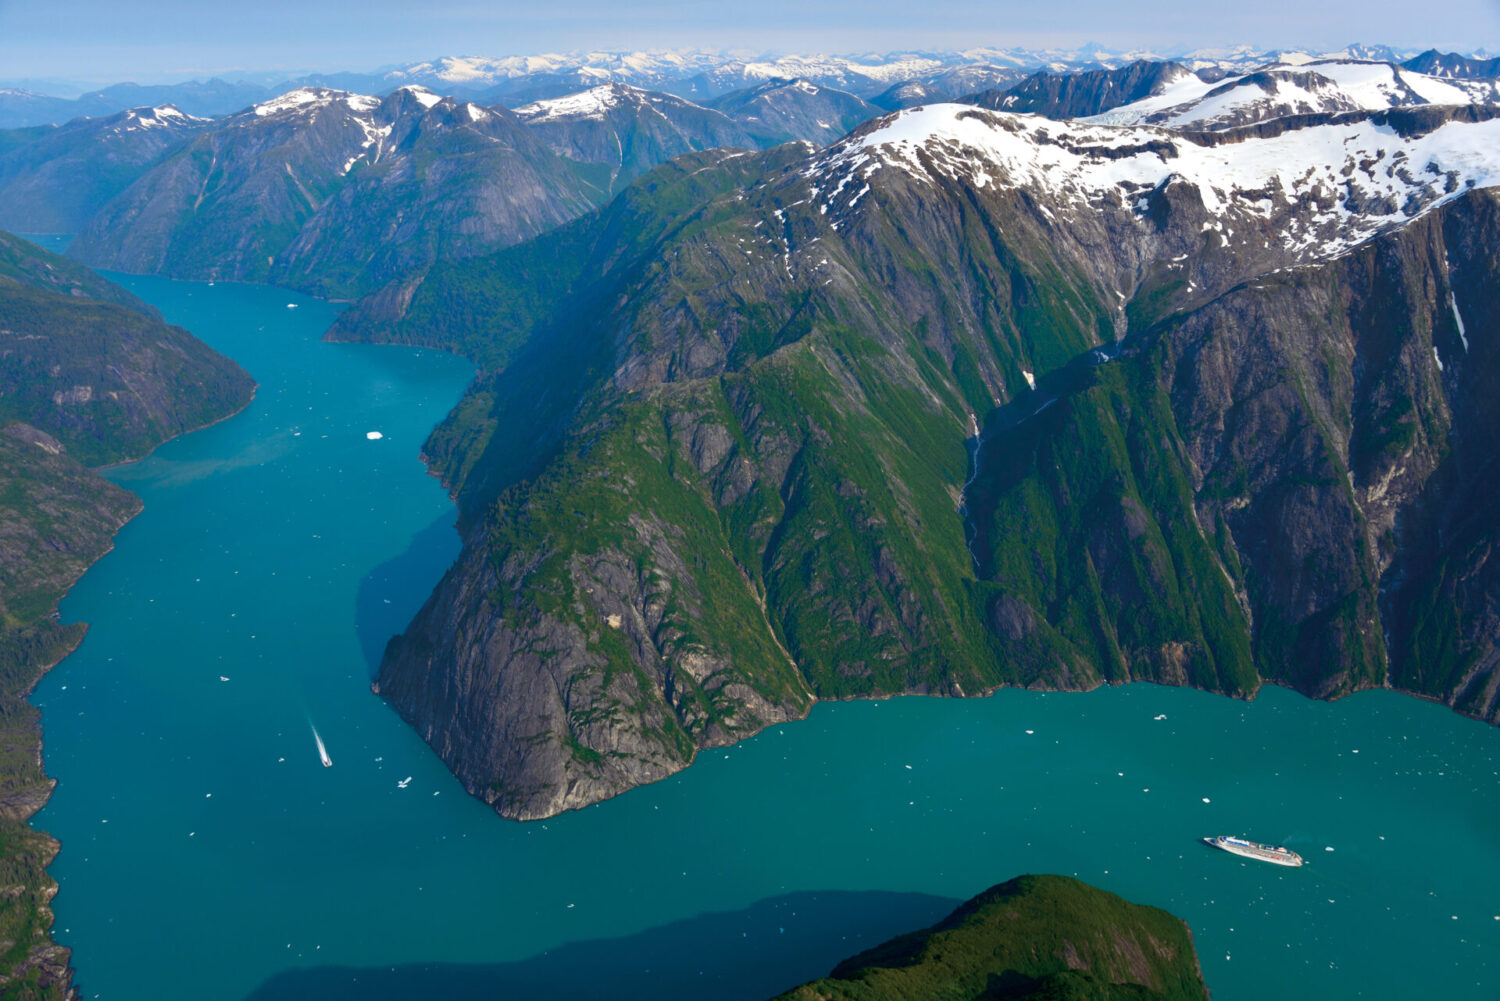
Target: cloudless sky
101,41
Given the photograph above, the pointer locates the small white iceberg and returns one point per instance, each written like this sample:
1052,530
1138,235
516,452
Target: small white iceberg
404,783
291,305
374,435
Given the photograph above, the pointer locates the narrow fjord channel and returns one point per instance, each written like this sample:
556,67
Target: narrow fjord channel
208,853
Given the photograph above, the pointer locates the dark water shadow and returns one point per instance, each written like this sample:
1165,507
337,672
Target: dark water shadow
392,593
746,955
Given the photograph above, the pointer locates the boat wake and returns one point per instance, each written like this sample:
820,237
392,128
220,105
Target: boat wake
322,751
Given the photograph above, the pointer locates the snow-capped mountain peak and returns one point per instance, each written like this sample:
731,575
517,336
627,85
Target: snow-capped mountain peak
1316,188
305,99
595,102
1313,87
166,116
422,95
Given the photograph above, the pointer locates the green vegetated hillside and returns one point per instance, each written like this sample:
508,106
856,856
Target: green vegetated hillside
721,462
1034,937
89,375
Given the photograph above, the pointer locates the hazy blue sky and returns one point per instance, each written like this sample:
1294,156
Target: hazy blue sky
111,40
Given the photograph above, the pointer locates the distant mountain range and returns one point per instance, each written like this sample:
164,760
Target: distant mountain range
697,74
339,193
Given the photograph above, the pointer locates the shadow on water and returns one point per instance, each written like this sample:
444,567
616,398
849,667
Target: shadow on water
747,955
392,593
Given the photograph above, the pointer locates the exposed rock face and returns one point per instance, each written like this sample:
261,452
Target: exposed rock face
1453,66
615,672
1223,422
1078,95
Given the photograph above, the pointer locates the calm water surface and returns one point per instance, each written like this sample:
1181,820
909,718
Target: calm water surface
207,854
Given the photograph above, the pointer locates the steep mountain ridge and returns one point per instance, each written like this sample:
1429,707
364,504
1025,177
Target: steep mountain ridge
1079,95
297,191
1130,515
337,193
57,181
628,129
1451,65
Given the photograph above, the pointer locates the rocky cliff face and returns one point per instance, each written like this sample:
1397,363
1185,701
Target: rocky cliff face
1078,95
1167,409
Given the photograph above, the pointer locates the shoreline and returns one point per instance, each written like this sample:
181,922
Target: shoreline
48,955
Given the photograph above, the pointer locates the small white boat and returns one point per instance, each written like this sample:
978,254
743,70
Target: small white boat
322,751
1274,854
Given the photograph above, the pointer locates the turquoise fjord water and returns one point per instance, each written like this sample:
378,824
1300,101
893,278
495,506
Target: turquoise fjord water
207,854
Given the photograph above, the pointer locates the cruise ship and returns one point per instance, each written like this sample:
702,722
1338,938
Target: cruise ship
1254,849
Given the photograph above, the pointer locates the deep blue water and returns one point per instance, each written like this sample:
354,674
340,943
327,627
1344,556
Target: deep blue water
208,855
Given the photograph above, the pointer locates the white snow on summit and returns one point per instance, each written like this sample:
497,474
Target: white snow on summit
1307,88
596,103
423,96
167,116
294,100
313,98
1333,185
584,104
